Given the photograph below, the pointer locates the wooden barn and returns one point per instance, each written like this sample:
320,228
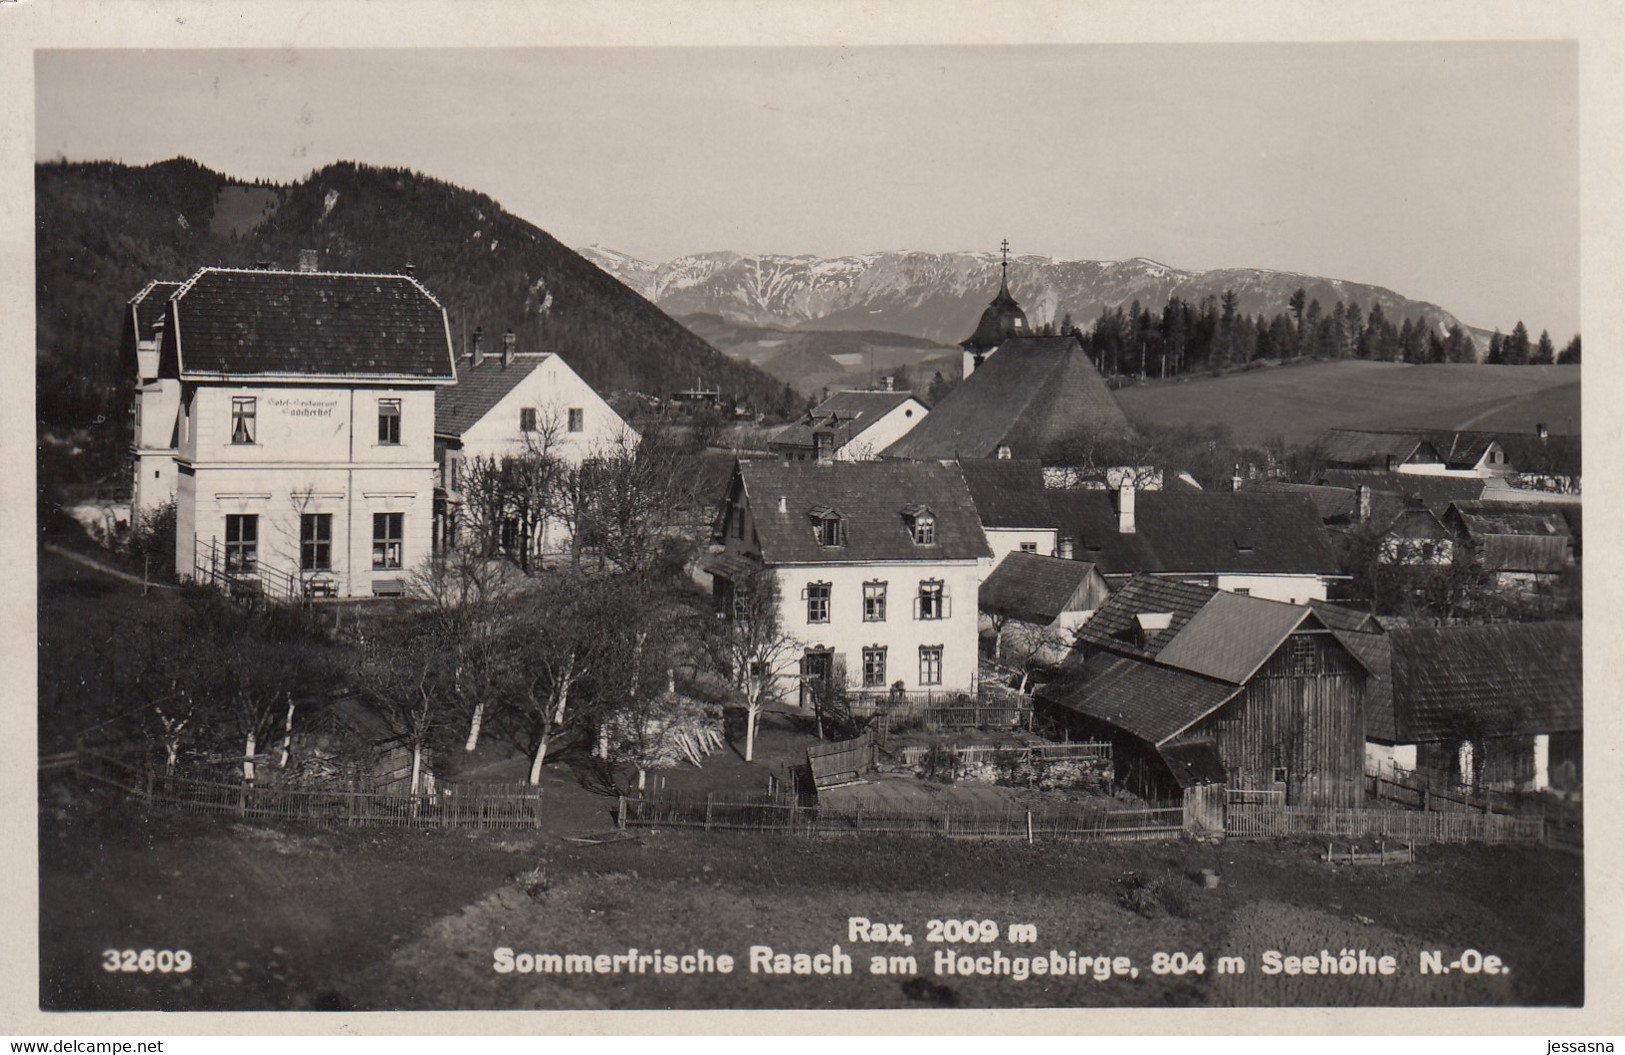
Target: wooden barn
1194,685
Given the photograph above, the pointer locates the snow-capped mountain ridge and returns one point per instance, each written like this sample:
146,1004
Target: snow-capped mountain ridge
939,296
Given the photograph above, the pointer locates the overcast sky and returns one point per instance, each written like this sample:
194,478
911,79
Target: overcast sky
1448,172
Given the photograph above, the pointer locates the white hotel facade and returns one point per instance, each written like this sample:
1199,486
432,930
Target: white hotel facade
303,427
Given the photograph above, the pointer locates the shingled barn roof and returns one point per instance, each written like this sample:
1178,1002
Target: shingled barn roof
1034,395
1145,700
1501,680
1114,625
226,323
1037,589
479,388
870,498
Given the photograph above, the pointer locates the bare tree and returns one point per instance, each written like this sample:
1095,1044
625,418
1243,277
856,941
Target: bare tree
404,674
750,644
468,599
1034,648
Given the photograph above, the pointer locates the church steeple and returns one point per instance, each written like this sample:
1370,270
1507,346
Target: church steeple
1002,319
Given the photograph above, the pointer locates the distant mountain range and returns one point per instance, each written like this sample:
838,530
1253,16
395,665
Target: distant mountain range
103,230
939,296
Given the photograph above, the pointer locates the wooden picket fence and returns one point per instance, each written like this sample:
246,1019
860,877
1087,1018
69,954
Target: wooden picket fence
733,813
451,806
1272,821
1088,750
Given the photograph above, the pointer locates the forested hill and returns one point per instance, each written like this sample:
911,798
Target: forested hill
103,230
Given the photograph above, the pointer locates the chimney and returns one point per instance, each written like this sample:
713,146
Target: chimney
1541,431
888,383
307,260
509,346
266,265
784,507
479,345
1362,498
1125,508
1064,549
409,269
1235,479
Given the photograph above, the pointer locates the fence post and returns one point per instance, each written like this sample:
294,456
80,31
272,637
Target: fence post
620,812
708,809
1029,826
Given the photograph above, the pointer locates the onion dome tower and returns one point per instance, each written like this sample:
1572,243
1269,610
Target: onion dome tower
1002,319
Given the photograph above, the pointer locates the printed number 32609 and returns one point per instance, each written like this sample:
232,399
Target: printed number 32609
146,961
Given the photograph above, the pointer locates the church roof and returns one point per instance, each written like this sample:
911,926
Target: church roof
1034,396
1001,319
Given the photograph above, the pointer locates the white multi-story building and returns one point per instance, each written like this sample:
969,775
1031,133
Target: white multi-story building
517,403
877,565
304,430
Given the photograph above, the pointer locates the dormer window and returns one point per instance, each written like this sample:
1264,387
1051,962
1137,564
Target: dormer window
829,527
922,525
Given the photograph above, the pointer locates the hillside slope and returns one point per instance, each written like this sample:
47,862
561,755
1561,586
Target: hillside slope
1300,402
103,230
812,360
939,296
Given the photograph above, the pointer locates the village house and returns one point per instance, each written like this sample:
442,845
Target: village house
1525,548
1496,706
1013,505
157,399
1538,462
513,404
1035,601
305,437
1196,686
877,566
1248,543
849,426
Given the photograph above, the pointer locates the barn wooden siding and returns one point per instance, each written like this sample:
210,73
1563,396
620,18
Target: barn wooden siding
1304,714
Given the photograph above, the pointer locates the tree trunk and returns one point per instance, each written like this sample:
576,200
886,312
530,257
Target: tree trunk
751,711
417,768
287,738
474,724
643,775
248,759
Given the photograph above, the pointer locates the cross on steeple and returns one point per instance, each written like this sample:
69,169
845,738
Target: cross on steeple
1004,262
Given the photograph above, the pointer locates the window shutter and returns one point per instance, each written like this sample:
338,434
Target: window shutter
947,605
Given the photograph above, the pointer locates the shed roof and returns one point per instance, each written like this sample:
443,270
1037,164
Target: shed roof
1038,589
1499,680
480,388
1034,395
1146,700
1008,492
870,498
293,324
1194,762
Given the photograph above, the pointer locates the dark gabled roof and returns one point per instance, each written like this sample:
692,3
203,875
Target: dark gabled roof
1232,636
1034,395
1197,531
1502,680
290,324
1037,589
1332,503
1008,492
1145,700
1337,617
1540,456
1114,624
479,388
1374,651
149,306
1194,762
1374,447
870,497
1436,492
1518,536
844,415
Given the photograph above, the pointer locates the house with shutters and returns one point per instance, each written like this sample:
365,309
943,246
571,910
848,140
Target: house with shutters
849,426
876,564
1193,686
304,431
515,403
